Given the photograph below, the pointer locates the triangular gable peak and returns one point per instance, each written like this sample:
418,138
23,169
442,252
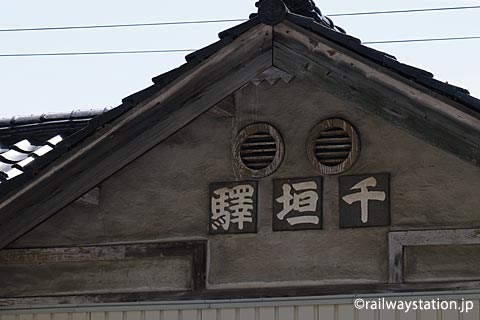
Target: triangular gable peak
391,90
311,47
308,48
315,72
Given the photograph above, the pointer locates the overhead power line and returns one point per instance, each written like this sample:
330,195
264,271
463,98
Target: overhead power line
191,50
225,20
401,11
92,53
124,25
420,40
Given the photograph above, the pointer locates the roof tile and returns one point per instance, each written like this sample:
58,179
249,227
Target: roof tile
31,136
420,76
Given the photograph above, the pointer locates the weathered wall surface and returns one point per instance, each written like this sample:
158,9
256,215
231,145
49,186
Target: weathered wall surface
164,195
140,275
430,263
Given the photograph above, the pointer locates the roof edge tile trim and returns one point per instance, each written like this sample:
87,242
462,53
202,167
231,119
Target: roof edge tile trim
93,119
108,115
49,117
18,163
417,75
315,22
194,58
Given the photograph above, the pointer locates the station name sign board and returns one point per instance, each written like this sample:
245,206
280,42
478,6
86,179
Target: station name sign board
364,201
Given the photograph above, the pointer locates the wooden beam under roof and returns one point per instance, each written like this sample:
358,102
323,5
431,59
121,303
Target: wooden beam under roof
410,106
151,121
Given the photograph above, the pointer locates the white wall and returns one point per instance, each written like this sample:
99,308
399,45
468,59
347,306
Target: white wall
243,310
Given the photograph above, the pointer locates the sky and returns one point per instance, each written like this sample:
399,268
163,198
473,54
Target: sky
36,85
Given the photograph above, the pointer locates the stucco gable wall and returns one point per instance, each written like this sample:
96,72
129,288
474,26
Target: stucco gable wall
164,194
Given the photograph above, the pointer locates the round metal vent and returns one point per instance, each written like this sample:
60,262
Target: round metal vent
258,150
333,146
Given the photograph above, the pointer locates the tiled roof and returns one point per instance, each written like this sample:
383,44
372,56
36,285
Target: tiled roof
12,129
301,12
305,14
388,61
15,158
305,8
26,139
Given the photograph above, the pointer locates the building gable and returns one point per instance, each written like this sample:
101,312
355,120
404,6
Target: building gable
165,157
164,196
125,138
444,115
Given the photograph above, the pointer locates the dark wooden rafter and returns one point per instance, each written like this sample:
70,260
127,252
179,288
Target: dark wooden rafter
160,111
154,119
295,50
423,113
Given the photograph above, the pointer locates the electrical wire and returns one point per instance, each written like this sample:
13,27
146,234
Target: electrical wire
420,40
226,20
92,53
191,50
219,21
124,25
401,11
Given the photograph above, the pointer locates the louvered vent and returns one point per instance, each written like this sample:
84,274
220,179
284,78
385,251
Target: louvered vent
333,146
258,150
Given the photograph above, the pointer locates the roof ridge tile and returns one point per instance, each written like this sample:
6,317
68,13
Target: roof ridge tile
51,116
